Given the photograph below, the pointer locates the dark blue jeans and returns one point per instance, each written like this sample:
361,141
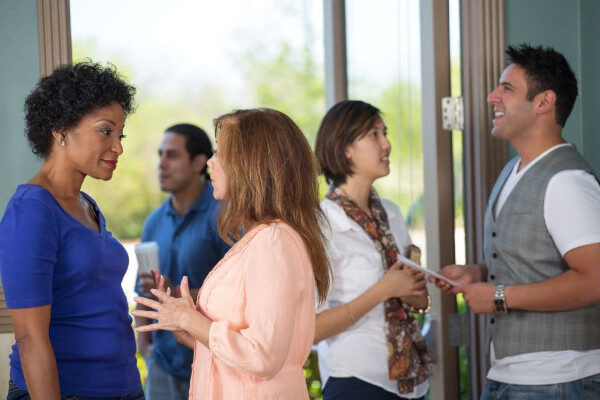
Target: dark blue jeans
356,389
16,393
582,389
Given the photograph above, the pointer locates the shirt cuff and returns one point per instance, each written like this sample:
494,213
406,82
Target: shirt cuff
28,303
218,330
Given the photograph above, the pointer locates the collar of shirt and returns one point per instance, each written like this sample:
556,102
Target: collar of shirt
200,204
339,220
537,159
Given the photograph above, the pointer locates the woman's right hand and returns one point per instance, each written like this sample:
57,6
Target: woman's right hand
401,281
181,336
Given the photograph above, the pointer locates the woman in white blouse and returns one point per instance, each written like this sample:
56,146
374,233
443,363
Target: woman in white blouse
369,345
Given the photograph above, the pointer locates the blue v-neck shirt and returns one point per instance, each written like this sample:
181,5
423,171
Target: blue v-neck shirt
189,245
47,257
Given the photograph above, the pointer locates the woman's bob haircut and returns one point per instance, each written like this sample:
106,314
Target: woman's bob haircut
345,122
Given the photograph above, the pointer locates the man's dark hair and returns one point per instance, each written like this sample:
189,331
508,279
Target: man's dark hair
61,99
196,142
547,69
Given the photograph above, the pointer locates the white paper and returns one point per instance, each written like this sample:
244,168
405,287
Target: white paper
412,264
147,257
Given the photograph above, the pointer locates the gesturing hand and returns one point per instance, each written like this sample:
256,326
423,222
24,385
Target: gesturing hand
170,312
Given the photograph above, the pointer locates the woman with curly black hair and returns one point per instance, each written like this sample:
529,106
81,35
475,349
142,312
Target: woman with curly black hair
61,269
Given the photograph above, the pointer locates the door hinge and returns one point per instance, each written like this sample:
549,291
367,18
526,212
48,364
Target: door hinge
452,113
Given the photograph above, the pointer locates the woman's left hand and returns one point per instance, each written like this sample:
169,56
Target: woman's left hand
169,312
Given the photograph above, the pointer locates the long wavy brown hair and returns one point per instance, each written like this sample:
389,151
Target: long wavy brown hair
271,175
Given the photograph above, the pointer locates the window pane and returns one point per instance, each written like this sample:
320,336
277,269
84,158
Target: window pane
457,161
192,61
384,69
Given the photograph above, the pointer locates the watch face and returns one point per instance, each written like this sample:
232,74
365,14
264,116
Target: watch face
498,305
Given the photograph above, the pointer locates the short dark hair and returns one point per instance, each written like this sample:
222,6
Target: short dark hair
547,69
61,99
343,124
196,142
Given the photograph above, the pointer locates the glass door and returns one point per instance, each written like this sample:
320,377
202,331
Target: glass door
394,62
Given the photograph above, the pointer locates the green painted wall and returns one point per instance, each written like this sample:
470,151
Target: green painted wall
571,27
19,71
590,78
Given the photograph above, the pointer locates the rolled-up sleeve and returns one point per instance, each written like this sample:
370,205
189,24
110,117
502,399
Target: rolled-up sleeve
274,281
29,240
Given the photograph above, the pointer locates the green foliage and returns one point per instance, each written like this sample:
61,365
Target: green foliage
312,376
400,105
290,81
133,192
463,355
141,366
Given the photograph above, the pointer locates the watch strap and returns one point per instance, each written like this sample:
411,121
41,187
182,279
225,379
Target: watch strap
500,300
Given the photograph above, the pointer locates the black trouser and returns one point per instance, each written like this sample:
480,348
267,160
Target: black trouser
16,393
356,389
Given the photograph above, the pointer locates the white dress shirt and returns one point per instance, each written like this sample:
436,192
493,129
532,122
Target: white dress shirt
361,350
572,216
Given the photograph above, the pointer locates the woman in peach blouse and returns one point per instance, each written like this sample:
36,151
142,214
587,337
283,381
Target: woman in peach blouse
253,324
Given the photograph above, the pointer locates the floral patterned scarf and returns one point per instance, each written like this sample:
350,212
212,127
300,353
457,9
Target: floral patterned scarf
408,360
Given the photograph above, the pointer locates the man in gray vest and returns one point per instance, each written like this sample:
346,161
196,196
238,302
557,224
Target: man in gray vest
541,282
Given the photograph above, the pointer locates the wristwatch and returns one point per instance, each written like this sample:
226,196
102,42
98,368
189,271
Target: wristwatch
500,300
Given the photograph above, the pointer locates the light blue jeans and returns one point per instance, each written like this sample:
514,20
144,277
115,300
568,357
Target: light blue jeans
162,386
582,389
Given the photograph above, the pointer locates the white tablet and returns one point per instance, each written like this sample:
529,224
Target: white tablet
412,264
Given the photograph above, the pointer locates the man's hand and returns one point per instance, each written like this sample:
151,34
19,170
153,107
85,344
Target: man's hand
480,297
461,274
146,283
154,280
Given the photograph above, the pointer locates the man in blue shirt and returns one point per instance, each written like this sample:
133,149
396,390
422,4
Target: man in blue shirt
184,227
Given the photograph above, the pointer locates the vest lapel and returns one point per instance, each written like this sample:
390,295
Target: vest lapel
499,185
